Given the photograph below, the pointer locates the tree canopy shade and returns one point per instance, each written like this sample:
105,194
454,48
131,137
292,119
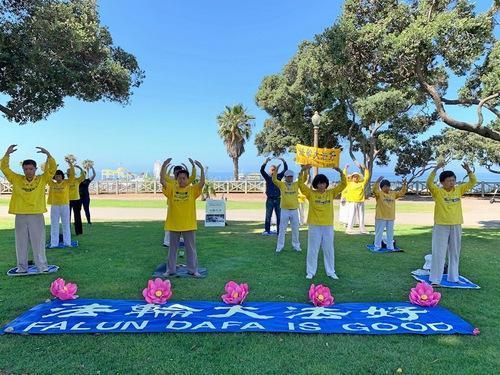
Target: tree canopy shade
50,49
380,77
235,128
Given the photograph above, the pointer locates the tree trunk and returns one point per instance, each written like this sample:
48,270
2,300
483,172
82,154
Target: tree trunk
235,168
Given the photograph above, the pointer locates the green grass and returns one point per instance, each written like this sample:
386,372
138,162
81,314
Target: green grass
115,260
402,207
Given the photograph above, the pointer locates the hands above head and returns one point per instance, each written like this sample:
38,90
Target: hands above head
338,169
306,167
191,161
167,162
41,150
197,163
11,149
405,182
440,164
466,167
380,179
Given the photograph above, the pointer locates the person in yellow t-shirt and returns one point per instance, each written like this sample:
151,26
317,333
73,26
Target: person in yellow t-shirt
59,207
75,204
172,179
355,196
448,220
343,209
385,211
320,220
27,202
289,204
302,204
181,216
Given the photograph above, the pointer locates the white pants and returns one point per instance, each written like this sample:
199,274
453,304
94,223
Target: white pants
446,239
166,239
320,236
343,210
293,217
356,210
380,225
302,213
60,212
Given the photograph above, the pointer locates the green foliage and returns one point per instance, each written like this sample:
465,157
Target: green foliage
238,252
51,49
235,127
472,148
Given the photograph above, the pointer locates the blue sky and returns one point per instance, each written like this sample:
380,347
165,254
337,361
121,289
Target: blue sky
198,56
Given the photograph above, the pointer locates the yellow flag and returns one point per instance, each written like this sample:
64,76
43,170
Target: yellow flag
317,157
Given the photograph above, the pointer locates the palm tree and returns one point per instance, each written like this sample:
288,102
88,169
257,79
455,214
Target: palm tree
235,127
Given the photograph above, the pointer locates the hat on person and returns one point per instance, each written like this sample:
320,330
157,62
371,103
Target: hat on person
288,173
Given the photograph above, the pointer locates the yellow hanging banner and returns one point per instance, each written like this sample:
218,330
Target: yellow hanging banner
317,157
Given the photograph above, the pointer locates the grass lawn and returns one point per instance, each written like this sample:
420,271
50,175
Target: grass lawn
403,207
115,260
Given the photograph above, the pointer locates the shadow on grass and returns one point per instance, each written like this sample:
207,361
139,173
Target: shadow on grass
115,260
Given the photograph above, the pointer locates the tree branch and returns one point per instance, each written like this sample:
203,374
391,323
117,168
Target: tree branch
489,168
461,125
7,111
480,109
470,101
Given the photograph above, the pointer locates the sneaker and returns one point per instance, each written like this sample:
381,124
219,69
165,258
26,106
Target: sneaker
297,249
165,245
265,233
333,276
364,232
279,250
196,274
436,285
421,272
309,276
21,272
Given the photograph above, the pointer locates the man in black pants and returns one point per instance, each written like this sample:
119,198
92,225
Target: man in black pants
273,195
85,195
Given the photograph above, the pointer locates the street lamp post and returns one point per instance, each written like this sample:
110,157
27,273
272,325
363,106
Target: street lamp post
316,119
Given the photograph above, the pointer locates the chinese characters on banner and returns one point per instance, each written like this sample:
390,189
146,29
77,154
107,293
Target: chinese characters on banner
317,157
91,316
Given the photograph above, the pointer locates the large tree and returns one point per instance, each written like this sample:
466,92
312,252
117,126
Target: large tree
52,49
235,128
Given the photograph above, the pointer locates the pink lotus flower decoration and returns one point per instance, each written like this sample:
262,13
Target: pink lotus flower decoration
424,295
235,293
476,331
320,295
63,291
158,291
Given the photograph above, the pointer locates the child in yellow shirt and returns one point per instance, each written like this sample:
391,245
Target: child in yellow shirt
28,204
320,221
448,219
385,211
355,196
181,216
59,207
289,204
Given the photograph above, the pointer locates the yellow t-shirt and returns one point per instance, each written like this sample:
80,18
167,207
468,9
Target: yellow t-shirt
321,204
386,202
58,193
181,215
301,197
448,206
289,193
28,197
74,187
355,191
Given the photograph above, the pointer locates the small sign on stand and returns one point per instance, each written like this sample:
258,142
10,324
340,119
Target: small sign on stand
215,213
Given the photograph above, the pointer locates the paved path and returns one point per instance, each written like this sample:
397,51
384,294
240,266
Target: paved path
477,213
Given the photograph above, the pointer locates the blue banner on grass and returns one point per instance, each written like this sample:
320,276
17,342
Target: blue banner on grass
105,316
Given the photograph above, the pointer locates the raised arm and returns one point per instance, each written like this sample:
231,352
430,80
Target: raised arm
82,174
341,186
71,176
93,174
277,182
285,168
302,179
202,175
163,172
263,169
472,179
430,180
404,189
376,186
366,175
50,165
192,176
4,166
